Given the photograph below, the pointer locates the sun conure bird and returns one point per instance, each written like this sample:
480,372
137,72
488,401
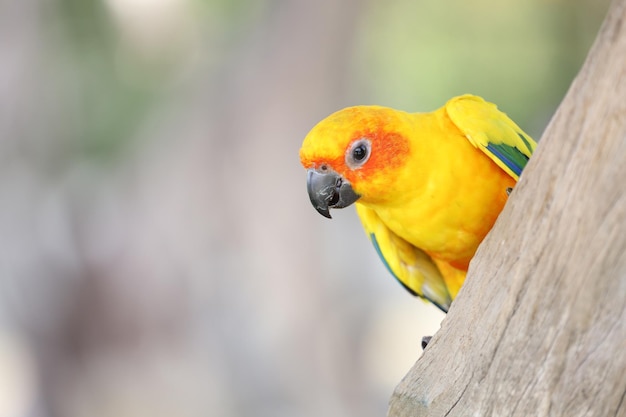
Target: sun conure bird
427,186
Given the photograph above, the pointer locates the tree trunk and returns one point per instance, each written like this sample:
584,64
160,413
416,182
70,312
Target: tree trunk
539,328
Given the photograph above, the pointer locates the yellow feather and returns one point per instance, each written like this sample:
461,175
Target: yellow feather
482,123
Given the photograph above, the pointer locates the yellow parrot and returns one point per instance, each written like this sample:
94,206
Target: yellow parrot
427,186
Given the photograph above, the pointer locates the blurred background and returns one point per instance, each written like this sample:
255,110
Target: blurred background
158,252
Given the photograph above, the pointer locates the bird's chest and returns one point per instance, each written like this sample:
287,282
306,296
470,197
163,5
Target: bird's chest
445,231
449,222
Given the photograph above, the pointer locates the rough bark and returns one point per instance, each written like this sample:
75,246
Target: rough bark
539,328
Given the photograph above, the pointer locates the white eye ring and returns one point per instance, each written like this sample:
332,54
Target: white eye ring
358,153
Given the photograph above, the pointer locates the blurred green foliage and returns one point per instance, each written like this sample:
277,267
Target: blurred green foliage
99,108
521,55
412,55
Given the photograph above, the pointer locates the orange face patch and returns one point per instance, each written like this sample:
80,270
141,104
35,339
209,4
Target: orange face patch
389,151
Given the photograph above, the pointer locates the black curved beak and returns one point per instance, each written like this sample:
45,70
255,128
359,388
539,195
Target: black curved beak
327,189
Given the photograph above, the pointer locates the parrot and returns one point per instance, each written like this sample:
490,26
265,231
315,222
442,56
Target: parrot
427,187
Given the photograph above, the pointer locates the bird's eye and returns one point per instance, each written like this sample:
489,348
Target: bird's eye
358,153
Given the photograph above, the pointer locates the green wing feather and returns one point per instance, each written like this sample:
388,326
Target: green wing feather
492,131
411,266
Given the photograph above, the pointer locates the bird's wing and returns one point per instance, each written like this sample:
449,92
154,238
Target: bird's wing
492,131
411,266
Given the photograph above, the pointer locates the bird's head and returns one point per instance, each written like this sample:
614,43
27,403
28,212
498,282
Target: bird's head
357,153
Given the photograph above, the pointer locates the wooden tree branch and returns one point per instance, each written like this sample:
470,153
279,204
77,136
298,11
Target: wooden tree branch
539,328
